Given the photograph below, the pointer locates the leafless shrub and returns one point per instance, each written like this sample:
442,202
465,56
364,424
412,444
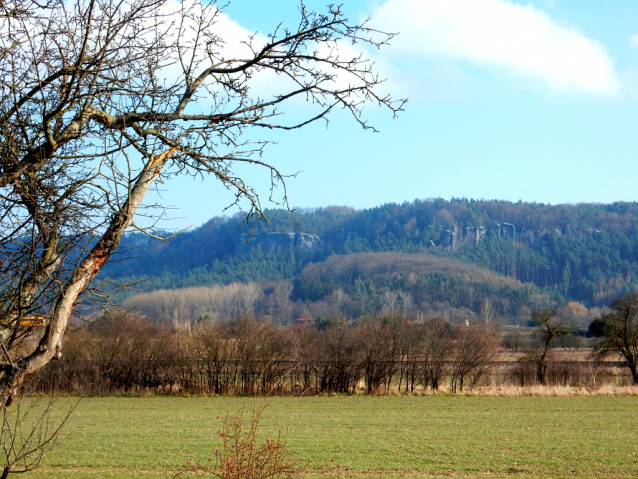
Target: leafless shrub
411,338
381,351
339,359
30,430
245,455
122,353
436,349
261,352
523,373
474,350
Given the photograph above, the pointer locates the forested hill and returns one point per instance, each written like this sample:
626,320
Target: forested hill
585,252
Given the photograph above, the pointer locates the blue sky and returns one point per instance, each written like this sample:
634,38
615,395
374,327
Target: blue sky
536,101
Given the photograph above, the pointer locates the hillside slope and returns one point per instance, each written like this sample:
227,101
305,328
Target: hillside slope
586,252
387,265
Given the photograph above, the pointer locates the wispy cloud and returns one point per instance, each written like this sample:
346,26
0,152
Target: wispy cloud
233,41
498,33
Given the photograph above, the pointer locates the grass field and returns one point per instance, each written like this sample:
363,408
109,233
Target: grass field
429,436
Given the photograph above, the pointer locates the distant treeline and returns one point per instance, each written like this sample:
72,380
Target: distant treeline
458,294
585,252
127,354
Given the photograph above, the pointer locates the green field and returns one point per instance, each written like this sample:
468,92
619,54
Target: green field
430,436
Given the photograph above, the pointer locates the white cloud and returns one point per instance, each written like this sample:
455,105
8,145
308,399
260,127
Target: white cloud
496,32
233,44
633,41
231,37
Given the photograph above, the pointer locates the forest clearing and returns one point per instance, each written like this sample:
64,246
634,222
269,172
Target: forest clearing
360,436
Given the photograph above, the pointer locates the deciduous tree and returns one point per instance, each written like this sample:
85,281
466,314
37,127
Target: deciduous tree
474,350
100,100
548,328
619,328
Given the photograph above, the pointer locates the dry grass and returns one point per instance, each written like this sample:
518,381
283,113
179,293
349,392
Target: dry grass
558,391
512,390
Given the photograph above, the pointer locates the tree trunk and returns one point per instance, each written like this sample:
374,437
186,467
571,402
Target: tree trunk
634,372
50,346
541,372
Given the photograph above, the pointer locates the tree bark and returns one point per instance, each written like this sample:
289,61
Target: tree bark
50,346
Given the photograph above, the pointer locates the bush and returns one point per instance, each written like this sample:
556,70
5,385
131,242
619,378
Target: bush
243,454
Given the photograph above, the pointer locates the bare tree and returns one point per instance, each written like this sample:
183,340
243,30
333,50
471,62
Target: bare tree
436,349
381,350
340,358
475,348
619,328
548,328
29,431
102,99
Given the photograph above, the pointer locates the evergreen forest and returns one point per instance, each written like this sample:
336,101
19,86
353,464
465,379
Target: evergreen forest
477,257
